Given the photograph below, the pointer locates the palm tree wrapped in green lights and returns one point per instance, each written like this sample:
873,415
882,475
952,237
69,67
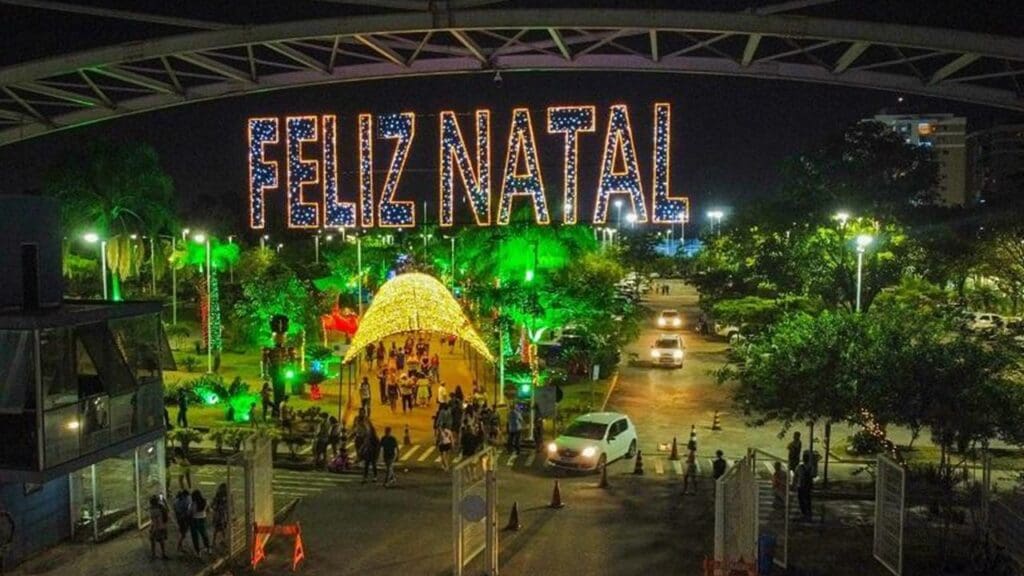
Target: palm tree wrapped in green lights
193,254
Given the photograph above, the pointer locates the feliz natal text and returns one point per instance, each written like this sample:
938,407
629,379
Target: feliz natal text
314,196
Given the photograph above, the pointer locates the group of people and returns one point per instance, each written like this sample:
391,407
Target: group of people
463,425
370,448
191,511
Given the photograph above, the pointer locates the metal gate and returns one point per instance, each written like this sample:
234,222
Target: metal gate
773,511
474,512
890,490
250,475
736,514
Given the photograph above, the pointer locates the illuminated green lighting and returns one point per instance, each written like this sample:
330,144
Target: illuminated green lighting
529,275
524,389
289,374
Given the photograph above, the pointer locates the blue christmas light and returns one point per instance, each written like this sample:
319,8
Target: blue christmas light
619,140
402,127
668,209
570,120
262,172
301,172
477,183
530,184
366,169
336,212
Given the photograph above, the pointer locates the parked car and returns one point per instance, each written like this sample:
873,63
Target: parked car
668,351
592,441
985,322
670,319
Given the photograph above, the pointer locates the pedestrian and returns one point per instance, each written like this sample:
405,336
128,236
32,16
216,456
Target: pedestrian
252,416
435,366
360,429
538,430
158,517
469,440
690,474
389,448
804,482
370,354
183,468
719,465
422,391
267,398
779,484
407,391
458,394
364,394
515,429
442,394
380,355
182,504
334,435
220,505
382,385
444,445
793,450
369,453
182,408
400,359
197,522
320,442
456,410
287,416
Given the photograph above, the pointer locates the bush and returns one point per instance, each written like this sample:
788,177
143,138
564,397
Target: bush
863,442
184,437
190,363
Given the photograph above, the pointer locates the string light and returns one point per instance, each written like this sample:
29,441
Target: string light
301,172
414,302
262,172
530,184
401,127
336,212
366,169
667,209
477,183
619,140
570,120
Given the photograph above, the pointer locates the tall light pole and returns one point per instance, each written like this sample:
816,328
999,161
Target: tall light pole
174,284
631,218
204,239
862,243
359,266
716,221
316,247
618,213
453,265
231,268
263,242
93,238
842,217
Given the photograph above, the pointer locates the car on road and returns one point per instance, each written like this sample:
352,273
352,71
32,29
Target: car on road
985,322
592,441
670,319
668,351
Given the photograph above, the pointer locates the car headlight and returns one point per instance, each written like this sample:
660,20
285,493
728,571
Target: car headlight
552,447
589,452
654,354
677,354
661,321
677,322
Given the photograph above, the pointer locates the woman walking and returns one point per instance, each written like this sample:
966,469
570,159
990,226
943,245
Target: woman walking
221,504
157,526
197,518
444,445
369,453
182,505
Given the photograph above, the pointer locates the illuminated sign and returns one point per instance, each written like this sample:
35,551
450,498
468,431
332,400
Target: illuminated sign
302,168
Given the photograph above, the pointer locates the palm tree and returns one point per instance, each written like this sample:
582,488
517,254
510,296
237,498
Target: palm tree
119,191
193,254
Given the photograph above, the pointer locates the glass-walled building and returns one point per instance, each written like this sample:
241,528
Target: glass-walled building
82,420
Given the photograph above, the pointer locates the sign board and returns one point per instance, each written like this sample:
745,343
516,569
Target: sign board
890,493
474,512
595,372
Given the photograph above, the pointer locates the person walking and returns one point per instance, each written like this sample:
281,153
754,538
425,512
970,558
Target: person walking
253,421
334,435
719,465
182,504
389,449
380,356
320,443
364,394
382,384
393,393
804,483
370,354
779,484
690,474
444,445
158,517
182,420
220,505
442,394
183,469
515,430
287,416
793,450
407,391
369,453
267,398
197,522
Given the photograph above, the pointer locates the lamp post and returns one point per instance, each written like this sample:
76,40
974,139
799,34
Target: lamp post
204,239
453,265
279,246
316,247
174,284
93,238
716,221
359,273
842,217
618,213
862,243
263,242
231,268
631,218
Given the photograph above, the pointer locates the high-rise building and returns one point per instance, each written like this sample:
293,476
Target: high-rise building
995,160
945,134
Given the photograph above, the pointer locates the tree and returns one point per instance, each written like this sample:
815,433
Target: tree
276,291
117,190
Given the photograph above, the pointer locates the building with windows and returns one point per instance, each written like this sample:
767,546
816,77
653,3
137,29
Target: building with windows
946,134
995,160
81,395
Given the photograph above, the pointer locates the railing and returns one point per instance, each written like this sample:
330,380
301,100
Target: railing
1007,528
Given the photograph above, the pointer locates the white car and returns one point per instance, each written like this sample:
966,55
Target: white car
985,322
593,440
668,351
670,319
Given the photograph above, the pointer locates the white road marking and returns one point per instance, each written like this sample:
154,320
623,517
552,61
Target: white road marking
408,453
511,460
426,453
659,466
530,459
677,467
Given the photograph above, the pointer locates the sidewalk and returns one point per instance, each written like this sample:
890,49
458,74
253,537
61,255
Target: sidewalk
127,553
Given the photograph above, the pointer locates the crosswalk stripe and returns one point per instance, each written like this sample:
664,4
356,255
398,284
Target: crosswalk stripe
771,469
437,460
677,467
408,453
511,460
530,459
425,454
659,466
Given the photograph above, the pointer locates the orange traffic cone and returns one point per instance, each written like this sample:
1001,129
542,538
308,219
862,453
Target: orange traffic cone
675,450
556,497
604,477
715,423
513,518
638,467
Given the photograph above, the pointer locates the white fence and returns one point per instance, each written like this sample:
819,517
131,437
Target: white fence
890,492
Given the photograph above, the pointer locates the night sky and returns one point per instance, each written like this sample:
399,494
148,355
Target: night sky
728,134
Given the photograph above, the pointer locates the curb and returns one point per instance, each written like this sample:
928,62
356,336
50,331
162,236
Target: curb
611,388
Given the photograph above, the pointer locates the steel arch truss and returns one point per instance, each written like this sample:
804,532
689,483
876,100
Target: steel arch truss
48,95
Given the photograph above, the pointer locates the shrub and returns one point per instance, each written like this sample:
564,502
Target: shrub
190,363
863,442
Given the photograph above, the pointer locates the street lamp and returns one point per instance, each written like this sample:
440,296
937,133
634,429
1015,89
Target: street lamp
279,246
631,218
359,266
93,238
316,247
263,242
231,268
204,239
862,243
842,217
716,221
618,213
